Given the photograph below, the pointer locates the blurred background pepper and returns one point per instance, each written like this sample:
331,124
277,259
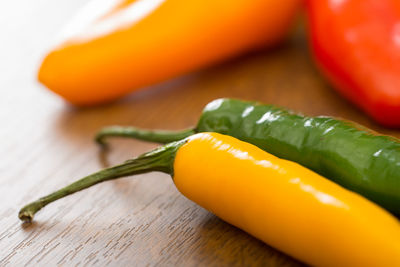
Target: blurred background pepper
112,49
357,45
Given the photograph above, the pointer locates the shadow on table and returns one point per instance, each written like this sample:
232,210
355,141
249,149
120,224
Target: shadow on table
226,245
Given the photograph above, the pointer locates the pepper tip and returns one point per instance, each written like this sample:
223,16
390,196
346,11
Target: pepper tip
100,141
25,216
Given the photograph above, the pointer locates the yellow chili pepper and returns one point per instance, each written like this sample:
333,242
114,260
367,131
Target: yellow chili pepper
114,47
280,202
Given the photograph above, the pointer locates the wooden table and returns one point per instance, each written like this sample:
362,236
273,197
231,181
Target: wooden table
137,221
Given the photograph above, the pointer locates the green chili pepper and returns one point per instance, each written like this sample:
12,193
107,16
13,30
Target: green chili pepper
345,152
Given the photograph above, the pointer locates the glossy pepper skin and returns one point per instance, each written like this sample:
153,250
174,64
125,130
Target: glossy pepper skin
280,202
357,45
342,151
115,47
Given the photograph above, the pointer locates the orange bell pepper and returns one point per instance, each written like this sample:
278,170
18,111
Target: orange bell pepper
112,49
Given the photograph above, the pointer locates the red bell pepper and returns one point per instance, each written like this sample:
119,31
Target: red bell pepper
357,45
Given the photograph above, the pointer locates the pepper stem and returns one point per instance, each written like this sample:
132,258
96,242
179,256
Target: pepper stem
160,159
158,136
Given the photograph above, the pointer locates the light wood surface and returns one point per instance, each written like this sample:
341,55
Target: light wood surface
141,221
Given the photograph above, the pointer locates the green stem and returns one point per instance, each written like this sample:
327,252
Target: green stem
158,136
160,159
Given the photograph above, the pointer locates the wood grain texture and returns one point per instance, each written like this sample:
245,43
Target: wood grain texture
141,221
